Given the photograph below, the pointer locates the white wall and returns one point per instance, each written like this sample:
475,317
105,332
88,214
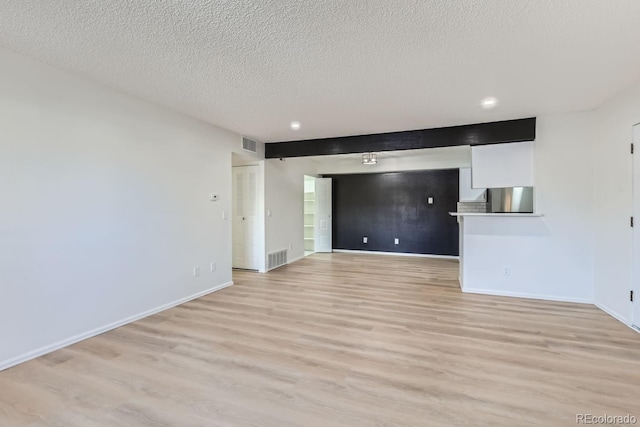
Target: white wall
550,257
466,192
284,198
104,209
613,207
406,160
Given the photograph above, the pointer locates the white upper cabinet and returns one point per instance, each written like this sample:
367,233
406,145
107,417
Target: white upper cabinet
502,165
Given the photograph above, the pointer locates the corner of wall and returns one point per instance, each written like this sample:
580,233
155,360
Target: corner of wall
284,194
613,199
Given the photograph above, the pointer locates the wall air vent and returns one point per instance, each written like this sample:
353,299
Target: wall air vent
276,259
249,144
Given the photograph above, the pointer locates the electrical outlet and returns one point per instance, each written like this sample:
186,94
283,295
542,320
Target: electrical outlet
396,241
212,266
506,271
365,240
224,215
290,247
196,271
430,200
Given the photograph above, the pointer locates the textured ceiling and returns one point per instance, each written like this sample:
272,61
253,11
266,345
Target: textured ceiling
339,67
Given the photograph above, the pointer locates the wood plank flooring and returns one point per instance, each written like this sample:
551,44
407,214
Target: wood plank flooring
338,340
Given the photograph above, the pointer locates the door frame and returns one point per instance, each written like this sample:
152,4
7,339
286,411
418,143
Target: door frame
635,230
239,160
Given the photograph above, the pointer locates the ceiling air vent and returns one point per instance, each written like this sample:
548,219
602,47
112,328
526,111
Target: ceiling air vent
249,144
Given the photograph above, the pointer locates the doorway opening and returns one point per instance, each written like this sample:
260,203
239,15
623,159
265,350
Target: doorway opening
317,215
309,215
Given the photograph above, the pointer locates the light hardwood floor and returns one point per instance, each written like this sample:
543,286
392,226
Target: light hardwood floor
338,340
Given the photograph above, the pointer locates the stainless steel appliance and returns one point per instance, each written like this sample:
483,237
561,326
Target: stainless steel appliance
511,200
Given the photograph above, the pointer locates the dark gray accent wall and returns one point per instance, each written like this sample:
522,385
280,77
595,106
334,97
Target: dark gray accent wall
385,206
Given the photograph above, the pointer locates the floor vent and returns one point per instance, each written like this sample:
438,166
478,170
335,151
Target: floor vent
249,145
276,259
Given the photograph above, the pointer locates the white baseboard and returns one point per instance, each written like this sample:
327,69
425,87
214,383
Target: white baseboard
525,295
612,313
617,316
349,251
5,364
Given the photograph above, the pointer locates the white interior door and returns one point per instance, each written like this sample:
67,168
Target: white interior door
323,215
636,229
245,217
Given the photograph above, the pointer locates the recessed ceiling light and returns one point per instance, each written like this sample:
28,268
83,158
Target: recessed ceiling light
489,102
295,125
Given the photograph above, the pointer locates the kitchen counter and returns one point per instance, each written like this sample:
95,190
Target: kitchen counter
503,254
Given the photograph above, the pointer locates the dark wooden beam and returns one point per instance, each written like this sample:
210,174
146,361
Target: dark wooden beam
476,134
